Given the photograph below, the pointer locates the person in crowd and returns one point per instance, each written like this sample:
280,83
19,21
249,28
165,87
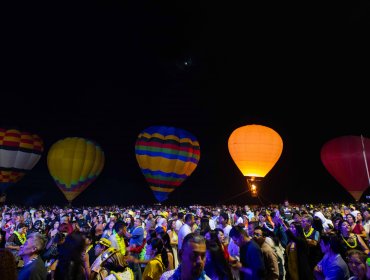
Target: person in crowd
349,240
332,265
34,266
16,240
73,263
108,260
173,240
186,228
251,264
8,268
192,256
357,263
167,246
298,265
136,245
217,265
269,255
356,226
109,230
118,239
158,261
313,239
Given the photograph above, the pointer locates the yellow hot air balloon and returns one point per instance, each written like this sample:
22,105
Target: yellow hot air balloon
74,163
255,149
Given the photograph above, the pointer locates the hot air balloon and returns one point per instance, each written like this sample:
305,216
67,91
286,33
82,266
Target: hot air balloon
74,163
166,156
346,158
19,153
255,149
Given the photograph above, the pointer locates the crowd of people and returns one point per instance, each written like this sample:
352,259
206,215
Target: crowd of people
277,242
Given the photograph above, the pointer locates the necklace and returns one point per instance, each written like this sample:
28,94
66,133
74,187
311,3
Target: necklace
121,243
308,233
349,245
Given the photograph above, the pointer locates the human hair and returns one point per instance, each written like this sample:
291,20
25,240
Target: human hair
204,226
188,217
216,265
333,240
158,246
238,231
8,268
70,263
39,241
361,254
308,217
299,229
193,237
225,216
119,225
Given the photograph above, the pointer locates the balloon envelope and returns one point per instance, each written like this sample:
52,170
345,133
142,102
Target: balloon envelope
255,149
74,163
346,158
166,156
19,153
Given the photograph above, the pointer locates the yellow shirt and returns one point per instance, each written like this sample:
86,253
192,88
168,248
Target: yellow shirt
154,269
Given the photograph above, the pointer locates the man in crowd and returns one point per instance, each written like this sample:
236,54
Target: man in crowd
34,266
251,264
192,259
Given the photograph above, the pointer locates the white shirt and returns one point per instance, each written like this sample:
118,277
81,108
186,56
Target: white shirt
184,231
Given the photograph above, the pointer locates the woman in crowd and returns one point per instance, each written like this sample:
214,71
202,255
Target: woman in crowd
158,259
73,263
350,240
173,240
8,269
167,245
298,265
217,265
356,260
356,226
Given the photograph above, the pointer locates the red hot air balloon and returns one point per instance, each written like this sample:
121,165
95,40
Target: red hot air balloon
346,158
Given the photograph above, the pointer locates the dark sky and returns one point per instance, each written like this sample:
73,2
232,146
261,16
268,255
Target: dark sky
107,70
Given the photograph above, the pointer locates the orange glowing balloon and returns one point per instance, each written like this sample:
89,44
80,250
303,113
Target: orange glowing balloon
255,149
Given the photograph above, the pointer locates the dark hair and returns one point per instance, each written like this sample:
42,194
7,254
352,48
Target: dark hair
70,264
118,225
333,240
8,268
225,216
237,231
216,265
158,245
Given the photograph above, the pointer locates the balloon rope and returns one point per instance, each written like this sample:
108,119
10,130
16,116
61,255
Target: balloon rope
364,153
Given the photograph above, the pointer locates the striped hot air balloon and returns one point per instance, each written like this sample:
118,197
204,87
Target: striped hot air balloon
19,153
166,156
74,163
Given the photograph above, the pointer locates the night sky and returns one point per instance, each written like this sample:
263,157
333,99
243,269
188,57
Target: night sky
109,69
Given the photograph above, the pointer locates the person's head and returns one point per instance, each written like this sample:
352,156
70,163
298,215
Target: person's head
297,217
344,227
154,246
56,225
356,261
8,269
307,221
102,245
22,228
238,235
330,242
120,228
189,219
193,255
223,219
350,218
33,246
296,229
258,235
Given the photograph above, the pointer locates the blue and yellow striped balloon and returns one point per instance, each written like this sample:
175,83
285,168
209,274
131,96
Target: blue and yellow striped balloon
166,156
74,163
